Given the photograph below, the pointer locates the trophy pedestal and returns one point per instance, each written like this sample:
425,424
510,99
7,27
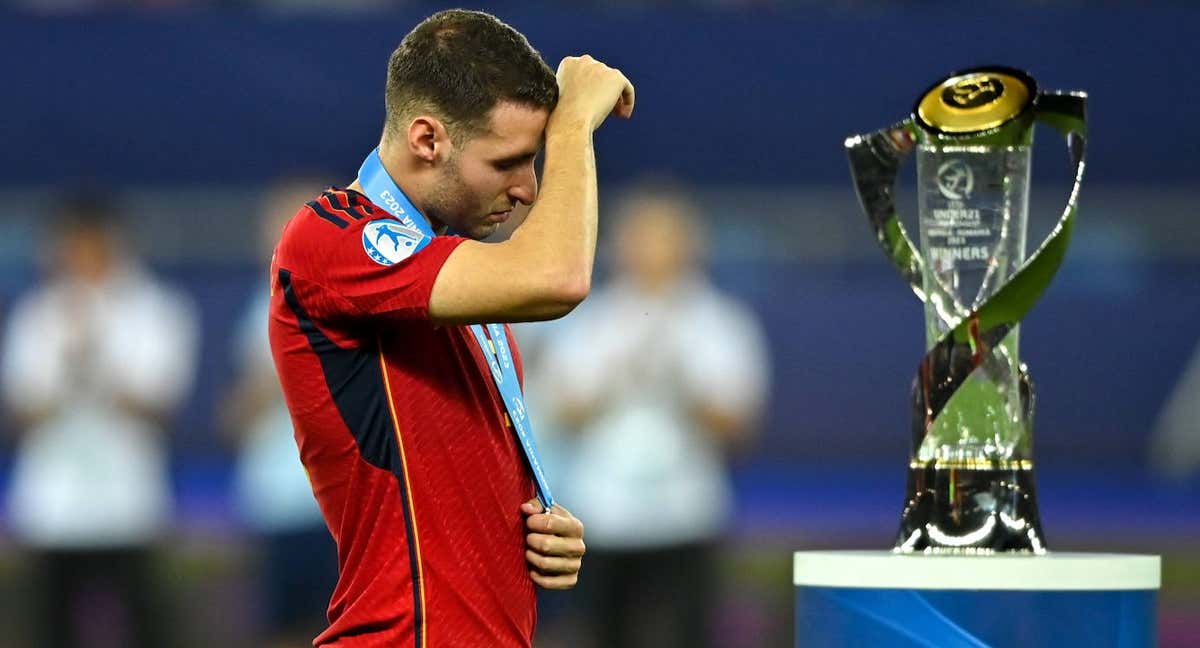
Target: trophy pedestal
877,598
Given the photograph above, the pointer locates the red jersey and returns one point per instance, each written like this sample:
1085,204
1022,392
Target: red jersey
404,437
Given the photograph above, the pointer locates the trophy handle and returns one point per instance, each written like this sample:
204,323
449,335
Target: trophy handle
874,162
1066,112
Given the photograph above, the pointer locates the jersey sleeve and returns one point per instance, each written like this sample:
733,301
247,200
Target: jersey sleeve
353,279
398,291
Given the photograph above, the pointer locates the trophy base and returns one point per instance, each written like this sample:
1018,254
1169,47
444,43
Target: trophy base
970,507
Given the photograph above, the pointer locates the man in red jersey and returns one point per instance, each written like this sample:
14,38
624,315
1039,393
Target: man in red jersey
396,403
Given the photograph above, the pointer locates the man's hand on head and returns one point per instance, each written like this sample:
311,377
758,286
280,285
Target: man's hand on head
589,91
553,545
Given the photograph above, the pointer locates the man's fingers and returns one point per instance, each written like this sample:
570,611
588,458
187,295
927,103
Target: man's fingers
593,90
563,582
552,565
549,545
624,107
555,546
555,523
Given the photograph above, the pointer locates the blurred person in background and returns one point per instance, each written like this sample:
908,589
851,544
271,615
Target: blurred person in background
661,377
1175,447
297,560
95,361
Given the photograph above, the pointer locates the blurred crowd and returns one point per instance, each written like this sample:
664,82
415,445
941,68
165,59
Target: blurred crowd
97,359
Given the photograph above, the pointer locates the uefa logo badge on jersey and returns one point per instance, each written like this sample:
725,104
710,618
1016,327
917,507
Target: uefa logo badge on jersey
388,242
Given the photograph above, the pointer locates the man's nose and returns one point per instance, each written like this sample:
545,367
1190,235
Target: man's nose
525,189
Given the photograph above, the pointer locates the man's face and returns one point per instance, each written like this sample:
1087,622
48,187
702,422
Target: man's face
656,242
484,179
85,254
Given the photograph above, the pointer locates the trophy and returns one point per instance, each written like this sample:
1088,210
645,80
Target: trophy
970,479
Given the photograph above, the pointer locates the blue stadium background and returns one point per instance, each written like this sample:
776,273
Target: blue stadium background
190,111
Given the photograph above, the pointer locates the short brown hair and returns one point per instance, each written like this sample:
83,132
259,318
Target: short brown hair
459,64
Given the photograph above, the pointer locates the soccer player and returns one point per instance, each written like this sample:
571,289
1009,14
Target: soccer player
406,418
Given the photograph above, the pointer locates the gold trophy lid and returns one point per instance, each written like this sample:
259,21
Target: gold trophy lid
975,100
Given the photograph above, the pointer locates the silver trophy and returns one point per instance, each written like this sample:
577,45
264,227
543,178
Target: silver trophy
970,481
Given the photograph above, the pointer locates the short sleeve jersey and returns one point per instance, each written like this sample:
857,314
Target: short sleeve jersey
404,437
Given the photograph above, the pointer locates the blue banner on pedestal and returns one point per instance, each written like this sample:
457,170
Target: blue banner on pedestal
861,598
835,616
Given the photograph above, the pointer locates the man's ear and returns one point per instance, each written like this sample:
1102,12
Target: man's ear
428,139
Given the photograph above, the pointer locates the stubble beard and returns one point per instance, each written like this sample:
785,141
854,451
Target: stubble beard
454,204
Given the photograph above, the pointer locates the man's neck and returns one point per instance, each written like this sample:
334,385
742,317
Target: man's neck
405,183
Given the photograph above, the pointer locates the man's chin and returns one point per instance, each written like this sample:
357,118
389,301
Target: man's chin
483,231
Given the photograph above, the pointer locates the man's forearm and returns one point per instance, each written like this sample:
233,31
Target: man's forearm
559,236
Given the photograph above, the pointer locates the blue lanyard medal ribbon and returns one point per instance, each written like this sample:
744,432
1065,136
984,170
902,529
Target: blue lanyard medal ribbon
493,340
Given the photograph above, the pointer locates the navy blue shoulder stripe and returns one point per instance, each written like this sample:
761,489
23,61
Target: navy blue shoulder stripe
352,208
355,381
315,205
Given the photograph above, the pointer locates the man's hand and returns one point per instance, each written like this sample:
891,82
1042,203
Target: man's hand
554,545
589,91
